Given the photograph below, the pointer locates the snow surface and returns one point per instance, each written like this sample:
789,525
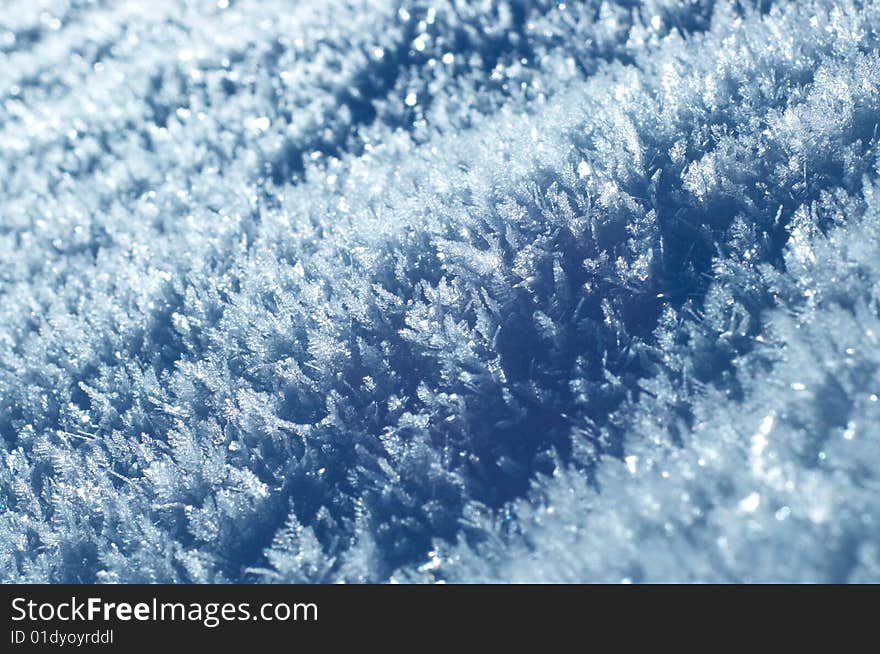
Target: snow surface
383,290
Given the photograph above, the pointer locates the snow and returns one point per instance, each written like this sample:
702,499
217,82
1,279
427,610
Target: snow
488,291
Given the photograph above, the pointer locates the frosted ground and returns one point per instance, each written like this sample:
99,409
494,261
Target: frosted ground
371,290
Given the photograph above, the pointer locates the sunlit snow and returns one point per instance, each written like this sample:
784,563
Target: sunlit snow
439,290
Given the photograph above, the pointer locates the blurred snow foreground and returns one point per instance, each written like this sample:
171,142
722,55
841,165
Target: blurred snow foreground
500,290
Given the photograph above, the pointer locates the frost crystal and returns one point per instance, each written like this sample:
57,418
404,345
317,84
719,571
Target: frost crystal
371,290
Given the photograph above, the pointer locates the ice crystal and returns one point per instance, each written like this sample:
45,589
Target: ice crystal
370,290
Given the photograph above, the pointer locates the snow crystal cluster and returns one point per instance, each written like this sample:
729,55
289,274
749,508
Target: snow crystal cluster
439,290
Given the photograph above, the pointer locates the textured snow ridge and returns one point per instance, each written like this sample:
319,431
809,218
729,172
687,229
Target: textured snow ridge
439,290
